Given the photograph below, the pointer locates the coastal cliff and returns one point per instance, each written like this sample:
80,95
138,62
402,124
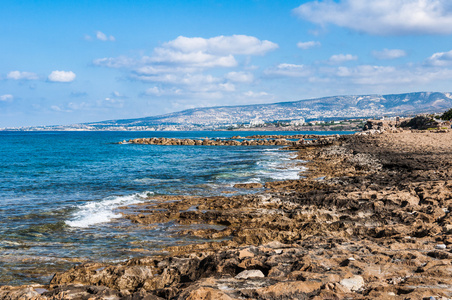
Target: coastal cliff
371,219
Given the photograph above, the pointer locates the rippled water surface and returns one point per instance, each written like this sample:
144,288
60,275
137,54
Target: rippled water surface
60,193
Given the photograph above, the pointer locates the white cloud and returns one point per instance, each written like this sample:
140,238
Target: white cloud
222,45
178,67
308,45
195,52
389,54
440,59
103,37
7,97
245,77
382,17
288,70
198,59
62,76
17,75
340,58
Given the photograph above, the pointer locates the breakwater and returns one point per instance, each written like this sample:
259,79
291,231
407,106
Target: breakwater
256,140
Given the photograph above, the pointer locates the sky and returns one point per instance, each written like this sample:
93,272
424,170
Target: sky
64,62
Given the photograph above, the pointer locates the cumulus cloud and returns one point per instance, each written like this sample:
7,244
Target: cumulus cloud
7,97
193,52
62,76
287,70
382,17
308,45
178,67
389,54
17,75
222,45
440,59
198,59
340,58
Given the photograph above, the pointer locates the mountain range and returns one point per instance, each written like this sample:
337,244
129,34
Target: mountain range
328,108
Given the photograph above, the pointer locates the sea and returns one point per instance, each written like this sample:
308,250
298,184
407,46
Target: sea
61,193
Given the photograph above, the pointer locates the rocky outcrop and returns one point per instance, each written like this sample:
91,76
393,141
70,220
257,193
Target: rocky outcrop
215,142
421,123
261,140
370,220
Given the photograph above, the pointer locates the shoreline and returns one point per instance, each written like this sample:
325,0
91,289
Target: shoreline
370,220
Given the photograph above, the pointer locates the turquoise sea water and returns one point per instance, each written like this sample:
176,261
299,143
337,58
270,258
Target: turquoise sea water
60,193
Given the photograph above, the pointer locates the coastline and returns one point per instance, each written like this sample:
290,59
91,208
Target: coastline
370,220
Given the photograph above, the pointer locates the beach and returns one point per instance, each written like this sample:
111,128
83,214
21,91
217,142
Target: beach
370,219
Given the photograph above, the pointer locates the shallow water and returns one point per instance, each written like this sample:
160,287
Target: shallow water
60,193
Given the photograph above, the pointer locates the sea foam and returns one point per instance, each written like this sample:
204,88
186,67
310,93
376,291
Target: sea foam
93,213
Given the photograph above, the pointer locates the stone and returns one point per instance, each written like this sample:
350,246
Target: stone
247,274
287,289
245,253
354,283
205,293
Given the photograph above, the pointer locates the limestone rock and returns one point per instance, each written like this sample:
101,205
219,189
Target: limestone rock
247,274
354,283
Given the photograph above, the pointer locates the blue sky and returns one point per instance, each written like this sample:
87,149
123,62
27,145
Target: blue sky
65,62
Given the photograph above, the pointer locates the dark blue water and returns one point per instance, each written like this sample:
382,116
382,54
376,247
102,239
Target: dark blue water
60,193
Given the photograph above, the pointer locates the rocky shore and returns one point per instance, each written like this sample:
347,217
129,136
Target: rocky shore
257,140
370,220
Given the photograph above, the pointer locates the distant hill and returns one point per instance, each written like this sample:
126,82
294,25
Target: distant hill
328,108
318,109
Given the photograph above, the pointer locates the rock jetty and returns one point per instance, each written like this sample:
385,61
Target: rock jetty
371,219
261,140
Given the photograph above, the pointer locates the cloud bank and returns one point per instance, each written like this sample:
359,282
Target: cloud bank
382,17
178,67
